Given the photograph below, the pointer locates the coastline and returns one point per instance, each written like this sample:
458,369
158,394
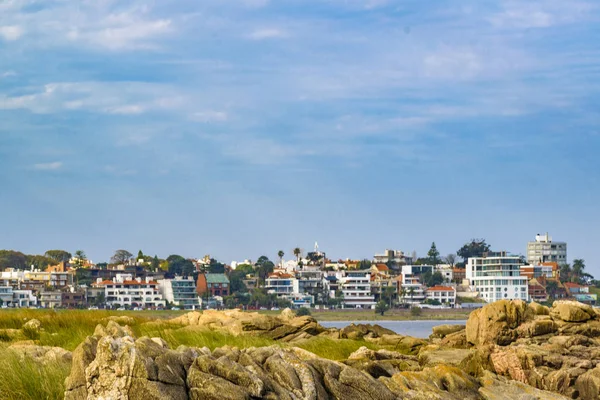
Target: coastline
391,315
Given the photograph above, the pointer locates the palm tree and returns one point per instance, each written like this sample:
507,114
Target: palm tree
80,257
403,294
411,293
577,269
280,253
297,253
565,273
389,292
551,288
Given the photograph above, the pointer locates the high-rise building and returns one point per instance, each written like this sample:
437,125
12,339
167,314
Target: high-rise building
497,276
544,250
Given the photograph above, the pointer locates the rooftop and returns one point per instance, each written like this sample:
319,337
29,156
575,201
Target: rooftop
216,278
441,289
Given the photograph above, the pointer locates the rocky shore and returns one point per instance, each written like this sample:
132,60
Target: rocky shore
507,350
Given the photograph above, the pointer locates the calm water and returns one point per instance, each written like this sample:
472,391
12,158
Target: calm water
419,329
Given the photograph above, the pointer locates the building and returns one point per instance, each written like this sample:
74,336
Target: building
379,285
417,269
180,291
410,289
543,250
73,298
537,291
356,288
394,257
537,271
497,276
124,291
282,284
446,271
6,296
23,298
211,285
50,298
446,295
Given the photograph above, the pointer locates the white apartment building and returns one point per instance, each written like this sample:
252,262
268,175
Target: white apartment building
16,298
282,284
180,291
356,288
543,250
410,289
396,256
497,276
444,294
123,290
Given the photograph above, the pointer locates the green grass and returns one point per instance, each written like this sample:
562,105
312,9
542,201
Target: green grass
25,379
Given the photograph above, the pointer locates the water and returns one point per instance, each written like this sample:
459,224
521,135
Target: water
418,329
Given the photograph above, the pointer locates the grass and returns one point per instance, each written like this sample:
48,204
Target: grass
26,379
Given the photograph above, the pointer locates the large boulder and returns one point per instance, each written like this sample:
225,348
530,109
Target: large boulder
572,311
498,322
441,331
43,354
497,388
358,331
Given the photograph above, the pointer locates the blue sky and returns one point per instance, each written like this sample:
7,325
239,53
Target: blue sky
238,128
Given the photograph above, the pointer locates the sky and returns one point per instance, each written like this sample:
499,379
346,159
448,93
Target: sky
237,128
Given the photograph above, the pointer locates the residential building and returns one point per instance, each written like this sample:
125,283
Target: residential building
180,291
73,298
23,298
95,295
282,284
410,289
537,271
446,271
311,281
543,249
50,298
444,294
211,285
6,296
379,285
301,300
497,276
356,288
459,274
537,291
394,257
124,291
574,288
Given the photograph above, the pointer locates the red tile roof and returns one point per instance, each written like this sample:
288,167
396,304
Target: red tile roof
573,285
382,267
441,289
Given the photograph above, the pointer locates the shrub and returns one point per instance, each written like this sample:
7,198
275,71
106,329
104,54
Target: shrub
416,311
381,307
302,311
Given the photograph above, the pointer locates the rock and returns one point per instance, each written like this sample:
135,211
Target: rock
120,319
287,314
441,331
453,357
572,311
539,309
440,382
43,354
358,331
33,325
379,363
10,335
497,322
457,340
496,388
588,384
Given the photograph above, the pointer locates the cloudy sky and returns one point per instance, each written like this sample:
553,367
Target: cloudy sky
241,127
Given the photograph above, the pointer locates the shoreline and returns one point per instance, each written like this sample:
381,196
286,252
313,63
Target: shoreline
390,316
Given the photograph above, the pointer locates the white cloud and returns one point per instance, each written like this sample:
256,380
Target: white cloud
267,33
8,74
11,32
210,116
540,13
51,166
132,109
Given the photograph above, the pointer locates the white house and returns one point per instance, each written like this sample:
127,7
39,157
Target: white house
444,294
180,291
410,289
123,290
356,288
497,276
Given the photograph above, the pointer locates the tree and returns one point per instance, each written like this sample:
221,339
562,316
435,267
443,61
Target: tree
80,258
216,267
434,279
297,253
155,265
416,311
302,311
475,248
121,257
450,259
236,281
178,265
264,267
381,307
364,264
102,265
578,270
433,254
551,288
280,254
12,259
39,262
565,273
58,255
140,255
388,292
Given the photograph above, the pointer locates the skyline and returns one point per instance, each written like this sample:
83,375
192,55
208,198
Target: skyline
230,126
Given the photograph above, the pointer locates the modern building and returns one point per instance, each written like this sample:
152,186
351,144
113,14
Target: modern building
497,276
537,271
73,298
394,257
211,285
356,288
50,298
282,284
417,269
180,291
124,291
537,291
23,298
543,250
410,289
444,294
